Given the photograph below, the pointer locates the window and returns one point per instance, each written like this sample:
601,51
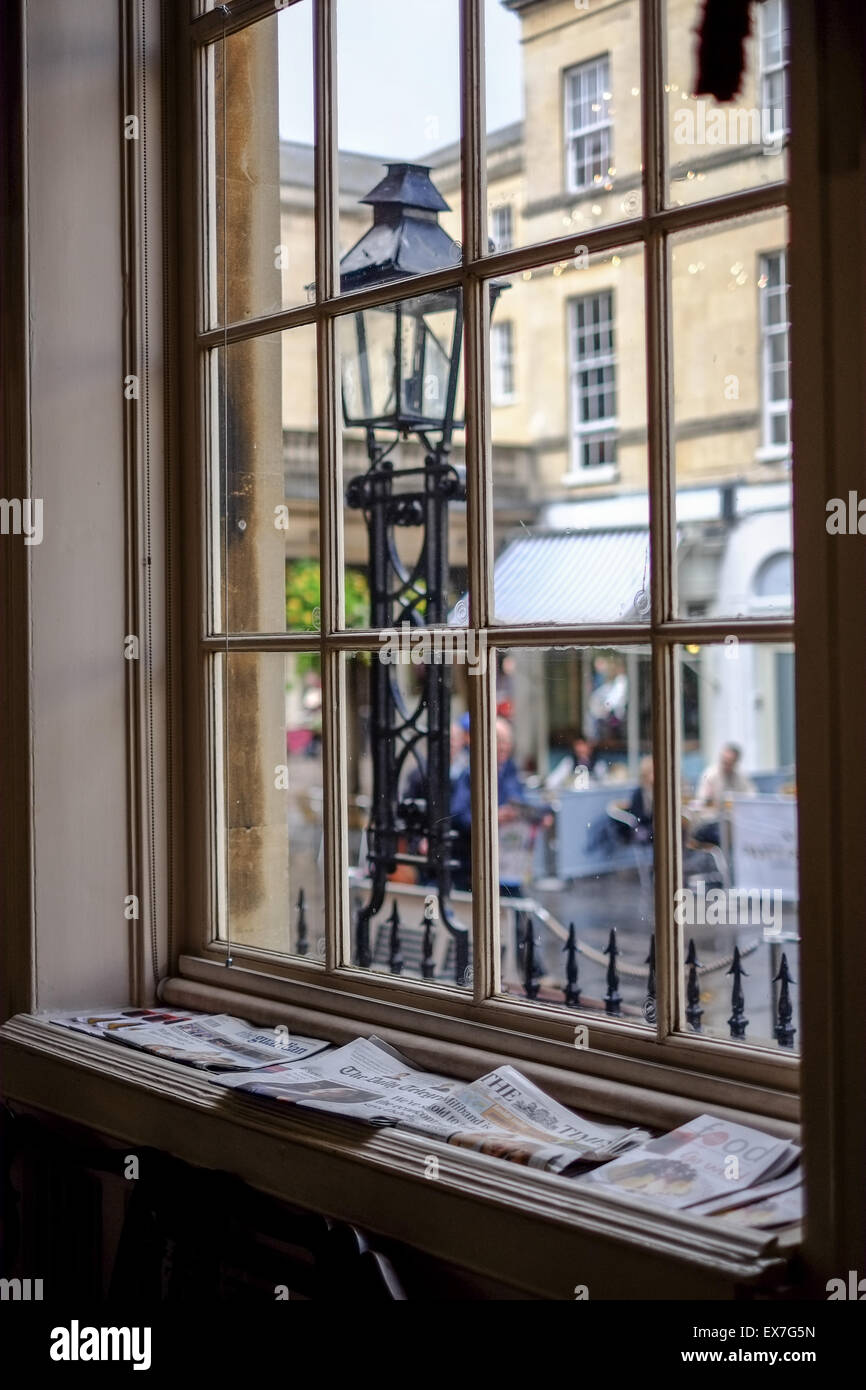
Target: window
773,38
423,648
775,352
587,124
502,228
502,362
593,377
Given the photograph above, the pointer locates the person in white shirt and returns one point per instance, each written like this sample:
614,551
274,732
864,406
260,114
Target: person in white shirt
719,782
575,770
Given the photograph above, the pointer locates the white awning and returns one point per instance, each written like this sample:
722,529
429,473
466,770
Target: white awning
590,577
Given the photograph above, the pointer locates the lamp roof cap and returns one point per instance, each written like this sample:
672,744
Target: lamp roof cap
410,185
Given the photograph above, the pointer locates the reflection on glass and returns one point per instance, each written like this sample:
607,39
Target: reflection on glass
270,715
563,120
575,814
568,423
718,148
737,906
262,208
731,336
267,485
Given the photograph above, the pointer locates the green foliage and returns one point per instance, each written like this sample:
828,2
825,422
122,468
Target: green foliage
304,597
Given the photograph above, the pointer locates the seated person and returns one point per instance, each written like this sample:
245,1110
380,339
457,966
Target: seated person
509,790
641,803
718,783
415,790
576,768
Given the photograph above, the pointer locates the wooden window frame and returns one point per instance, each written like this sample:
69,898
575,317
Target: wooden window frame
828,294
738,1075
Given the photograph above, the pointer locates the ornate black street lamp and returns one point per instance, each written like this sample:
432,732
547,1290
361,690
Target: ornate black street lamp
401,369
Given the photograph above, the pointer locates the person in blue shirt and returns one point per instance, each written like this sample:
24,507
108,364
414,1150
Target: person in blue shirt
509,790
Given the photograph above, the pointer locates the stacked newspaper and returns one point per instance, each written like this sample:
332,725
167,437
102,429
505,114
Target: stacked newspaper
769,1204
502,1114
210,1042
104,1021
708,1166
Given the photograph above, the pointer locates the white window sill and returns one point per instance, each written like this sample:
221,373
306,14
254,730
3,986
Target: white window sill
773,453
588,477
536,1232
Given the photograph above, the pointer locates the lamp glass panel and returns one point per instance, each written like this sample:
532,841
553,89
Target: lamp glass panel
367,342
427,348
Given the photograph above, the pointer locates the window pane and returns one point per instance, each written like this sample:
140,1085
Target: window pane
570,512
731,403
265,493
739,887
563,119
268,735
408,740
262,207
405,510
575,814
723,148
399,108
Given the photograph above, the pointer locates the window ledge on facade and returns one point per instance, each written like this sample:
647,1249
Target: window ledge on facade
589,477
535,1231
773,453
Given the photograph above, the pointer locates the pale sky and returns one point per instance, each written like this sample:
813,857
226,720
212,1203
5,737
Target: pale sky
399,93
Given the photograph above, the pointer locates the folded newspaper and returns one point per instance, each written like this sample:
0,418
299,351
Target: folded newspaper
776,1203
210,1042
502,1114
785,1209
704,1159
102,1021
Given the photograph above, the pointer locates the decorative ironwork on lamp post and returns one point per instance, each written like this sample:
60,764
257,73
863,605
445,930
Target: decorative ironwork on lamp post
400,377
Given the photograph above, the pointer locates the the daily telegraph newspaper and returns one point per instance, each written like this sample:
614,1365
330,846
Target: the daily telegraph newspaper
210,1042
704,1159
502,1114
